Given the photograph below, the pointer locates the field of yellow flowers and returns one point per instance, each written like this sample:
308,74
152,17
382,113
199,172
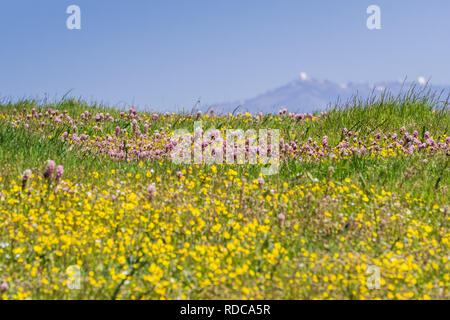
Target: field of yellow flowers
93,207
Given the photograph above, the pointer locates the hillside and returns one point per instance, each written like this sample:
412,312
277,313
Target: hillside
93,207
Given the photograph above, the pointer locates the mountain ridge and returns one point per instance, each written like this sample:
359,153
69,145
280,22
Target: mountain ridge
306,94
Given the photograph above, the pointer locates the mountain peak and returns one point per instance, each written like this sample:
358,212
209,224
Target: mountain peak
306,94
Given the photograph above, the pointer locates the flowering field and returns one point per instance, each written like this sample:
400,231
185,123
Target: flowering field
93,207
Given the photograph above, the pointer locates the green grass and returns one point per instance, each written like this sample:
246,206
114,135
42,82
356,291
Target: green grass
295,259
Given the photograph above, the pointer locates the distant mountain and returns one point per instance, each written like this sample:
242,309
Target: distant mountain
307,95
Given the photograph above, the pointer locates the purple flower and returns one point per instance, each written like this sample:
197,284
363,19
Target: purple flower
325,141
50,168
261,182
59,173
99,117
4,287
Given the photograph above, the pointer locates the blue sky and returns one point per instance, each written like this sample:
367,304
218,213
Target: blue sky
165,54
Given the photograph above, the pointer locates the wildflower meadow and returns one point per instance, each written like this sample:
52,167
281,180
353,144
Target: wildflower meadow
93,205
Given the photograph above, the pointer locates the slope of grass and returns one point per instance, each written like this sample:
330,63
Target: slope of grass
216,231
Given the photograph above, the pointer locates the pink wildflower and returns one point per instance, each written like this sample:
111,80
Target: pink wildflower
261,182
151,189
4,287
325,141
59,173
49,169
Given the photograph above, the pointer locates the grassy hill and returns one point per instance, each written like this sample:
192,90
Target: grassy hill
362,190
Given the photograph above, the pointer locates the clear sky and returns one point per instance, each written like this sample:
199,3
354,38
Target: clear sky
163,54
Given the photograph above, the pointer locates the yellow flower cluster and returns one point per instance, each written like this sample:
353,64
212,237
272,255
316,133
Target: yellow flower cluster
218,235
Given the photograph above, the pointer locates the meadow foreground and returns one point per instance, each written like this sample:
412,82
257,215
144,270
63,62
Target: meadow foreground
358,210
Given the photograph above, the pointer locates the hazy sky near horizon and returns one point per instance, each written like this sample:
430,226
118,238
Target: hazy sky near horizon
165,54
